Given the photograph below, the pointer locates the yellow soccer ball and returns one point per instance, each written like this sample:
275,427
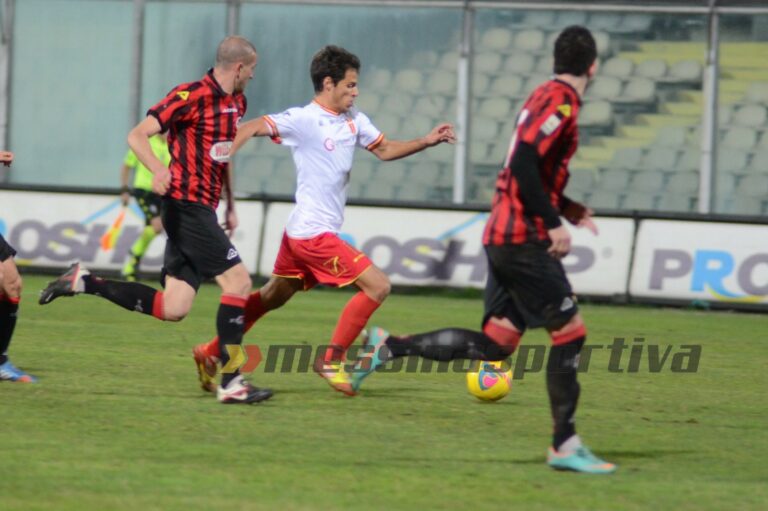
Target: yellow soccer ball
489,381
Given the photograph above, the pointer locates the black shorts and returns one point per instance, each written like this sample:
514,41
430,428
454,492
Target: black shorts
6,250
528,286
197,247
149,202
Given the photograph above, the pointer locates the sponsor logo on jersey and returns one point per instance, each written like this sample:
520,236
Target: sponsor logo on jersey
220,151
551,124
231,254
565,110
230,110
183,94
329,144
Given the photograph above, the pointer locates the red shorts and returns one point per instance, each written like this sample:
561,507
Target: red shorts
324,259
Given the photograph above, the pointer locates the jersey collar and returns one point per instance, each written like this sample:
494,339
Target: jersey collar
569,86
211,81
325,108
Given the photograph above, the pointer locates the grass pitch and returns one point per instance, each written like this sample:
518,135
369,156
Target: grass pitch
118,422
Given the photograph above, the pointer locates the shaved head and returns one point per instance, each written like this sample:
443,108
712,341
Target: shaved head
234,50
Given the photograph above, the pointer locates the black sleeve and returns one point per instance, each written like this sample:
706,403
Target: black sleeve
525,167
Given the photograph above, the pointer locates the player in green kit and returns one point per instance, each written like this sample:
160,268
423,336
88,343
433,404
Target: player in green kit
148,201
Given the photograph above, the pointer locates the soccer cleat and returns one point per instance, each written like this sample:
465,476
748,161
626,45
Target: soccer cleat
372,357
335,375
69,284
241,392
9,372
206,368
579,460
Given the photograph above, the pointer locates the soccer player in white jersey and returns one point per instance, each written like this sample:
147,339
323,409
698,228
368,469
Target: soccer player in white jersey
322,137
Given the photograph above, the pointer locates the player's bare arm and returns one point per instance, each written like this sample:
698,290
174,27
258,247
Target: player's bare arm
389,150
253,128
6,158
578,214
138,141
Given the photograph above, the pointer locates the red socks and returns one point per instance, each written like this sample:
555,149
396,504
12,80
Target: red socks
352,321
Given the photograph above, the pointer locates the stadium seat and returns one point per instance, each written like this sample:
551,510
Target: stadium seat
640,201
443,153
415,125
362,170
604,21
757,92
379,79
603,199
732,161
411,192
741,205
450,61
683,182
545,65
534,81
568,18
605,87
626,158
690,160
638,90
478,151
596,113
427,172
725,183
519,63
388,123
441,82
368,103
508,86
754,185
724,115
603,42
739,138
671,136
675,201
647,181
759,162
380,190
541,19
660,158
618,67
355,190
614,180
653,69
424,59
582,180
684,71
432,106
635,23
485,129
529,40
399,103
487,62
496,108
495,39
409,80
751,115
480,83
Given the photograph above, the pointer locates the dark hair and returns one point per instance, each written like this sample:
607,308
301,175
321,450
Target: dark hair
575,51
331,61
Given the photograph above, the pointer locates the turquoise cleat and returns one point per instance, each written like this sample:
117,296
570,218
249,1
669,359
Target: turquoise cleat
9,372
372,357
580,460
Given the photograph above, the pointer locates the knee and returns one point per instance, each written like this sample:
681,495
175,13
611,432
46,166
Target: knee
12,287
382,289
174,314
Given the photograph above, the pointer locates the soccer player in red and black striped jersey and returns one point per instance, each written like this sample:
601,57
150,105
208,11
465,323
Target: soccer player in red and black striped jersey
524,239
201,119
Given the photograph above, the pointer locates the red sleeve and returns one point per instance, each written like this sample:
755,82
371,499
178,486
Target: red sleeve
546,118
174,106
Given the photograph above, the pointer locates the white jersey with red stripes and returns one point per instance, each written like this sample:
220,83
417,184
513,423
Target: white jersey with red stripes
323,145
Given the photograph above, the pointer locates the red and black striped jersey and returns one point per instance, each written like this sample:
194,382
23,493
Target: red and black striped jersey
547,122
201,120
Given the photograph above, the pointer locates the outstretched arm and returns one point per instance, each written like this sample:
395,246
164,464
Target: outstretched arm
389,150
253,128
